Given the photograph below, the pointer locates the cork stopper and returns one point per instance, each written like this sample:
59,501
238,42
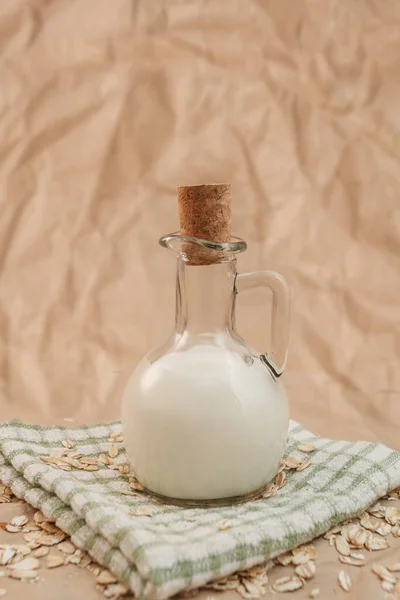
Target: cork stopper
205,213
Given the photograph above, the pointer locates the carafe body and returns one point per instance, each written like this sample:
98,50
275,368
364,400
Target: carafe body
205,416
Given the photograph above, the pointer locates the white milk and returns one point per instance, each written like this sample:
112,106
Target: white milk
204,424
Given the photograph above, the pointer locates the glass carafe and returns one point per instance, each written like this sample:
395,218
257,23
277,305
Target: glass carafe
205,416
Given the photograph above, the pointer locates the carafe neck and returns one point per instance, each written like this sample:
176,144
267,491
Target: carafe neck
204,297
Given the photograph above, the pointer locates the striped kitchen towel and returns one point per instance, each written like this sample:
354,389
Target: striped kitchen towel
159,550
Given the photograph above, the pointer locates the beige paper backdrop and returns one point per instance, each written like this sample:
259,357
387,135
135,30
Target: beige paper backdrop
106,106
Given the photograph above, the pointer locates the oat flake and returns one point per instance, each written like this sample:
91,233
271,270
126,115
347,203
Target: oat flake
287,584
344,581
306,447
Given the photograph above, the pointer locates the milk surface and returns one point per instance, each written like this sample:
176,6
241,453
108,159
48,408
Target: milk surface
204,424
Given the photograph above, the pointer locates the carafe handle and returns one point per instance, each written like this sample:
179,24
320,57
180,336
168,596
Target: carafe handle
276,358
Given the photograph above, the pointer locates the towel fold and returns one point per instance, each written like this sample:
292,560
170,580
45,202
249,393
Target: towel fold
159,550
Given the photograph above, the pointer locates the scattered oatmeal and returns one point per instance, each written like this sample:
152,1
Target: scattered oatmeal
249,584
287,584
6,494
135,485
356,536
377,510
115,590
26,564
53,561
396,531
19,521
112,451
392,515
284,559
6,555
350,560
309,550
67,443
306,447
383,573
306,570
40,552
342,546
386,586
376,542
23,574
280,479
12,528
291,462
66,547
344,581
304,465
366,522
384,529
105,577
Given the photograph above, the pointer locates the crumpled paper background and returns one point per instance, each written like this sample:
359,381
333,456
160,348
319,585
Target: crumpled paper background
106,106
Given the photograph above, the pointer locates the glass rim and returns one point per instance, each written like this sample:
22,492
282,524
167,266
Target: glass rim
169,241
